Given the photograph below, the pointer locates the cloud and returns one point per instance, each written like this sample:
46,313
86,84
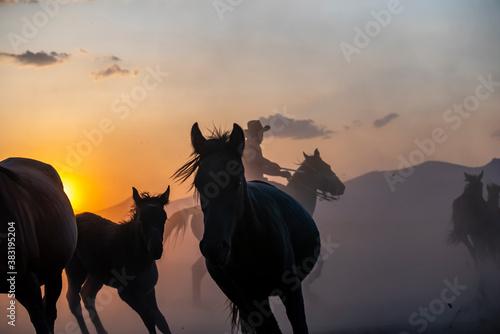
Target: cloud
285,127
112,70
496,133
384,120
38,59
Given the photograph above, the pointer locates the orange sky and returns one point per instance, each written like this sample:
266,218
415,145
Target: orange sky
79,92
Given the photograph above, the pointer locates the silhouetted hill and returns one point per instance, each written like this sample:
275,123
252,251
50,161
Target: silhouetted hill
426,193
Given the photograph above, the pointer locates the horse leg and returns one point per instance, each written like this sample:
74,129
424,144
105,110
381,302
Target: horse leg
295,311
30,297
76,276
198,271
89,293
52,292
137,302
471,249
161,323
262,318
313,276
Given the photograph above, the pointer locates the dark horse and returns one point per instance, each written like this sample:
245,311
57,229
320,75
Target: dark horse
314,179
472,219
121,256
257,242
38,226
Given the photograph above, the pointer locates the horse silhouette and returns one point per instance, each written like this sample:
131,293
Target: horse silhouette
314,179
472,219
38,222
121,256
257,241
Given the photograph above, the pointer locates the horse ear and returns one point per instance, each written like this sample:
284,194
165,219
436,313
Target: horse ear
481,175
135,195
305,155
197,139
316,153
164,197
237,138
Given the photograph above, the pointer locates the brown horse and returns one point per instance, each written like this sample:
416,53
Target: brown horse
472,219
38,221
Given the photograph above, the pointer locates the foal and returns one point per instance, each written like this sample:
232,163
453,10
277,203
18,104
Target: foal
121,256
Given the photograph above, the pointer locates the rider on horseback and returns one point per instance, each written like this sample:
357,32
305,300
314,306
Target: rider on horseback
255,163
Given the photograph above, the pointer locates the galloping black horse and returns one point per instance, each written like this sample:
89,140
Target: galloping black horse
121,256
258,241
314,179
39,227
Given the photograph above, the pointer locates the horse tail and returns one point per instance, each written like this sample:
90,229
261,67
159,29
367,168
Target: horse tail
176,226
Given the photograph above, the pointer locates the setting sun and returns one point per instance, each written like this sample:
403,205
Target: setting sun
70,190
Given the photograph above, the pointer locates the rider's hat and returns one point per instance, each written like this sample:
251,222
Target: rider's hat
254,127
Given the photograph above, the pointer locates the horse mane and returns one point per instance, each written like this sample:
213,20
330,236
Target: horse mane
134,209
217,141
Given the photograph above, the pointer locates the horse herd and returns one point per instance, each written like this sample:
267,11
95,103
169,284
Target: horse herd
257,240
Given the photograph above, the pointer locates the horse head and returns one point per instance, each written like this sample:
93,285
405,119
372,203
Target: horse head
323,178
474,184
221,184
151,218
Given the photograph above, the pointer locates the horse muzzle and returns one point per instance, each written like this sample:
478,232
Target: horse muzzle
216,253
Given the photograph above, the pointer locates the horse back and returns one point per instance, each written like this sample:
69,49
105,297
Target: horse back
109,251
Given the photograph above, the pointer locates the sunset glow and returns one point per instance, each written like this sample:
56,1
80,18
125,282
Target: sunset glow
109,99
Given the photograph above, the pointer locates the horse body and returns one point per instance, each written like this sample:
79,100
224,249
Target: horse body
121,256
257,241
472,219
33,198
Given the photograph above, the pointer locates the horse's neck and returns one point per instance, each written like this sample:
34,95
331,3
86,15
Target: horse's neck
303,191
130,237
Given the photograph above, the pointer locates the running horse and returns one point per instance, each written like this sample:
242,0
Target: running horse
121,256
38,232
472,219
257,241
314,179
